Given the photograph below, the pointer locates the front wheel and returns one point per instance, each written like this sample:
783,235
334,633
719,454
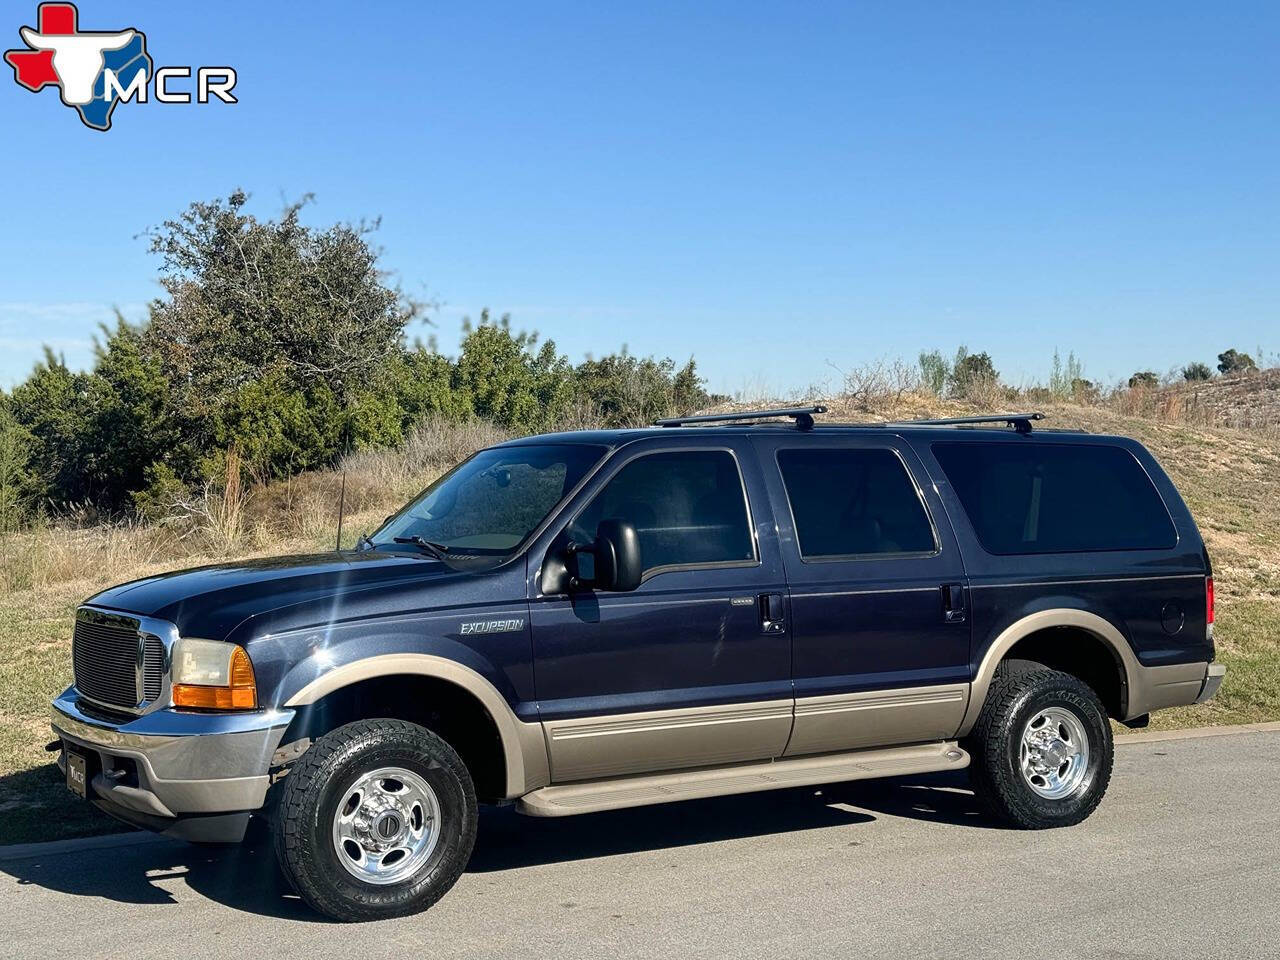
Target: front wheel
1042,749
376,820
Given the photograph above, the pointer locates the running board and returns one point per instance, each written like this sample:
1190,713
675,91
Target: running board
563,800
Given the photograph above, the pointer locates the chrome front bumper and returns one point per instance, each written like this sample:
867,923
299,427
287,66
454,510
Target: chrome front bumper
196,775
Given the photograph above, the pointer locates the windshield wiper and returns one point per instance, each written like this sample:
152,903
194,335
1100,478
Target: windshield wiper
437,550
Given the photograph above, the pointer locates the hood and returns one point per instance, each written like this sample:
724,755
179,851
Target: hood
212,601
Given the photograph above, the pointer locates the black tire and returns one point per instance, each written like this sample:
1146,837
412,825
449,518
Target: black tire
317,783
1014,699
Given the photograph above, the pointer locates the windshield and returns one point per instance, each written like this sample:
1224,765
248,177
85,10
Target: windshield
487,506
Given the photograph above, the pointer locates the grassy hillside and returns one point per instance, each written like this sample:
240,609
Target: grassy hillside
1229,477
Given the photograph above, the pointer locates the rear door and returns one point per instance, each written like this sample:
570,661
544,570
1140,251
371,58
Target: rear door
688,670
878,596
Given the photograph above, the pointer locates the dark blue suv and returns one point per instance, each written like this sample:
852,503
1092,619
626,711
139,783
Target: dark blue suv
587,621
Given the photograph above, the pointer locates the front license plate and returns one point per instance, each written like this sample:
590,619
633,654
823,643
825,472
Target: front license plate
77,770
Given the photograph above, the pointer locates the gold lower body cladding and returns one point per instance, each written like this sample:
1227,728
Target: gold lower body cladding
637,791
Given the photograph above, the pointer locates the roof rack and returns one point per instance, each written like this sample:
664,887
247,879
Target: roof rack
803,417
1019,421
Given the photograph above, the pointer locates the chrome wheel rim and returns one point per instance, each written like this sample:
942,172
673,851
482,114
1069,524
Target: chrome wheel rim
1054,753
386,825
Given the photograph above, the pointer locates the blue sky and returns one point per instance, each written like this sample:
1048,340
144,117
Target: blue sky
779,190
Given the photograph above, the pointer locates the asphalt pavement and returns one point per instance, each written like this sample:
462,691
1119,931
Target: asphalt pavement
1181,860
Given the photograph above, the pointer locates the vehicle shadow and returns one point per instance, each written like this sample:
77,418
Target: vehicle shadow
245,876
507,840
937,797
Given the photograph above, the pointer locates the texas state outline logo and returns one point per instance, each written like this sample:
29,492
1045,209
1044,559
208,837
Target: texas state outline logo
97,70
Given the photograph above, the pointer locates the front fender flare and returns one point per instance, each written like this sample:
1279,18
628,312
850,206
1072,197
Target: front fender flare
523,745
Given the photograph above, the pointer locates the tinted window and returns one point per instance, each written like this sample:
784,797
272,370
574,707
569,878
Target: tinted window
687,507
489,504
1056,498
850,503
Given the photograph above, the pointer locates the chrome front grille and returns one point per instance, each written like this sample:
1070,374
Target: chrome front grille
120,661
152,668
104,656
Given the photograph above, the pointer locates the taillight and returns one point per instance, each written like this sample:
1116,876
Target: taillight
1208,600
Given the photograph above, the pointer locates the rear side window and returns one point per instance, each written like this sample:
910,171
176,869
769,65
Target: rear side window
687,507
1025,498
854,503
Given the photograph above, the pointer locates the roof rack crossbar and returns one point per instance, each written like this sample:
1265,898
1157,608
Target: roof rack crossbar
1020,422
803,417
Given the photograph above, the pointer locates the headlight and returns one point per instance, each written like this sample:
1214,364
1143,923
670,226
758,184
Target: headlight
212,675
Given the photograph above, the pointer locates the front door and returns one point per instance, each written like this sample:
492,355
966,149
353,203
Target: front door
879,611
694,667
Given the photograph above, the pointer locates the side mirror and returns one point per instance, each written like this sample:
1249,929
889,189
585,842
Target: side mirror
616,553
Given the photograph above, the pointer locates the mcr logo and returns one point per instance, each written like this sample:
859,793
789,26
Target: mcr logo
96,70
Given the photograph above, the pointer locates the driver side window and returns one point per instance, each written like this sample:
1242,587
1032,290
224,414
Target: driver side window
688,508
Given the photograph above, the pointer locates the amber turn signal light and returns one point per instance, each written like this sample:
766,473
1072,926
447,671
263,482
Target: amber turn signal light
239,693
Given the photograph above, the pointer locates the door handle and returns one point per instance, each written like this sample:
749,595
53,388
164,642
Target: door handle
771,612
953,605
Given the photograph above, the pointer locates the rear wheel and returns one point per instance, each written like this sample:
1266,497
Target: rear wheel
1042,749
376,820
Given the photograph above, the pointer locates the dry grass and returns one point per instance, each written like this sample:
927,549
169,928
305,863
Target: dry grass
1244,401
1229,477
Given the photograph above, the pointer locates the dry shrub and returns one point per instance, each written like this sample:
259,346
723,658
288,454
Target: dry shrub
881,385
216,517
1246,401
989,395
584,415
436,443
431,446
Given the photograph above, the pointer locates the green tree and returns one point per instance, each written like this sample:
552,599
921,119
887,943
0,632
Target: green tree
53,407
689,389
94,435
1229,361
274,308
935,371
509,379
1064,375
1197,371
278,429
632,391
971,371
15,480
1144,379
424,385
129,424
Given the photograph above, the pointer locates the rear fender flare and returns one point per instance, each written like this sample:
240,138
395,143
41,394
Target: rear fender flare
1099,627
